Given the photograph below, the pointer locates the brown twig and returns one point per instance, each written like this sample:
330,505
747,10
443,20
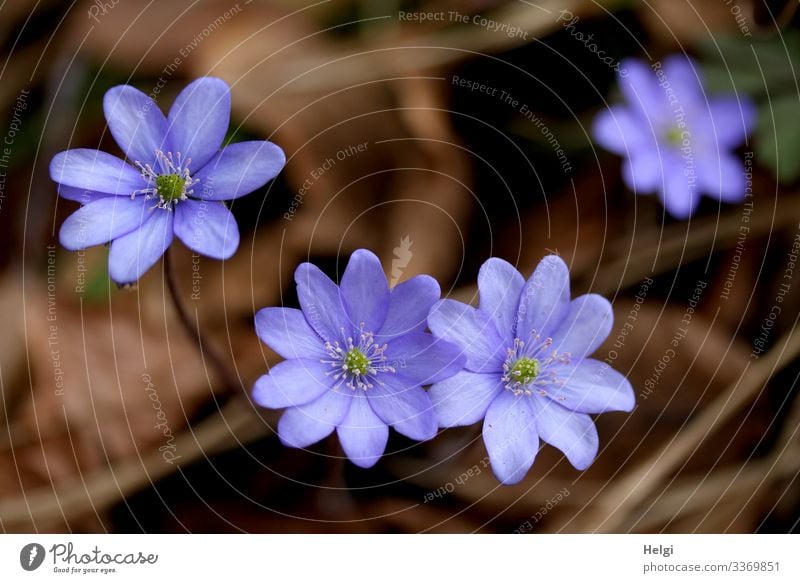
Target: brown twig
610,511
42,509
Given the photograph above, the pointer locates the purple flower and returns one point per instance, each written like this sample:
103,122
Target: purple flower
527,373
676,139
356,359
175,182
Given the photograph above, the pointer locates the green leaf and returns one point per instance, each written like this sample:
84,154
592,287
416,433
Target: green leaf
756,66
778,137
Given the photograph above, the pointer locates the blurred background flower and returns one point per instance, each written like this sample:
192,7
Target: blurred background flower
675,136
462,127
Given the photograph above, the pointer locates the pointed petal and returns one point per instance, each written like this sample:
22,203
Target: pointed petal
307,424
472,331
362,434
423,358
592,386
136,123
133,254
573,433
287,332
291,383
545,299
365,291
207,227
101,221
198,120
95,170
585,327
404,406
409,304
463,399
239,169
509,432
500,286
322,303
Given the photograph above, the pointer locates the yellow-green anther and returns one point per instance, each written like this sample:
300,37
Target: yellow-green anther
356,362
170,187
524,370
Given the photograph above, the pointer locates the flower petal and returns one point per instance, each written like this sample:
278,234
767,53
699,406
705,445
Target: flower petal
733,119
619,130
95,170
641,90
573,433
409,304
472,331
80,195
684,78
239,169
509,432
365,292
405,406
291,383
198,120
643,170
680,196
207,227
133,254
545,299
585,327
423,358
500,286
321,302
592,386
287,332
136,123
464,398
362,434
307,424
101,221
722,177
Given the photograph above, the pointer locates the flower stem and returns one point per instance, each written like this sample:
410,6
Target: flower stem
226,374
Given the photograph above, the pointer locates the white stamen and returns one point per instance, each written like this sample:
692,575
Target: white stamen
353,377
167,163
547,378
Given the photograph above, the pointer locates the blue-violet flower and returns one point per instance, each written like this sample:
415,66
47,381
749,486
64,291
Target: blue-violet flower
676,140
175,182
356,359
527,374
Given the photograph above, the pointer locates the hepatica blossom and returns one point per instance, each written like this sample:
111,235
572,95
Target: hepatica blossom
676,139
356,359
527,372
173,183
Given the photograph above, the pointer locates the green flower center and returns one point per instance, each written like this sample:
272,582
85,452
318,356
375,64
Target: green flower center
356,362
170,187
674,136
525,370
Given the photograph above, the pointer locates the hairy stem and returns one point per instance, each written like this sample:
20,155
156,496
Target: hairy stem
191,324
